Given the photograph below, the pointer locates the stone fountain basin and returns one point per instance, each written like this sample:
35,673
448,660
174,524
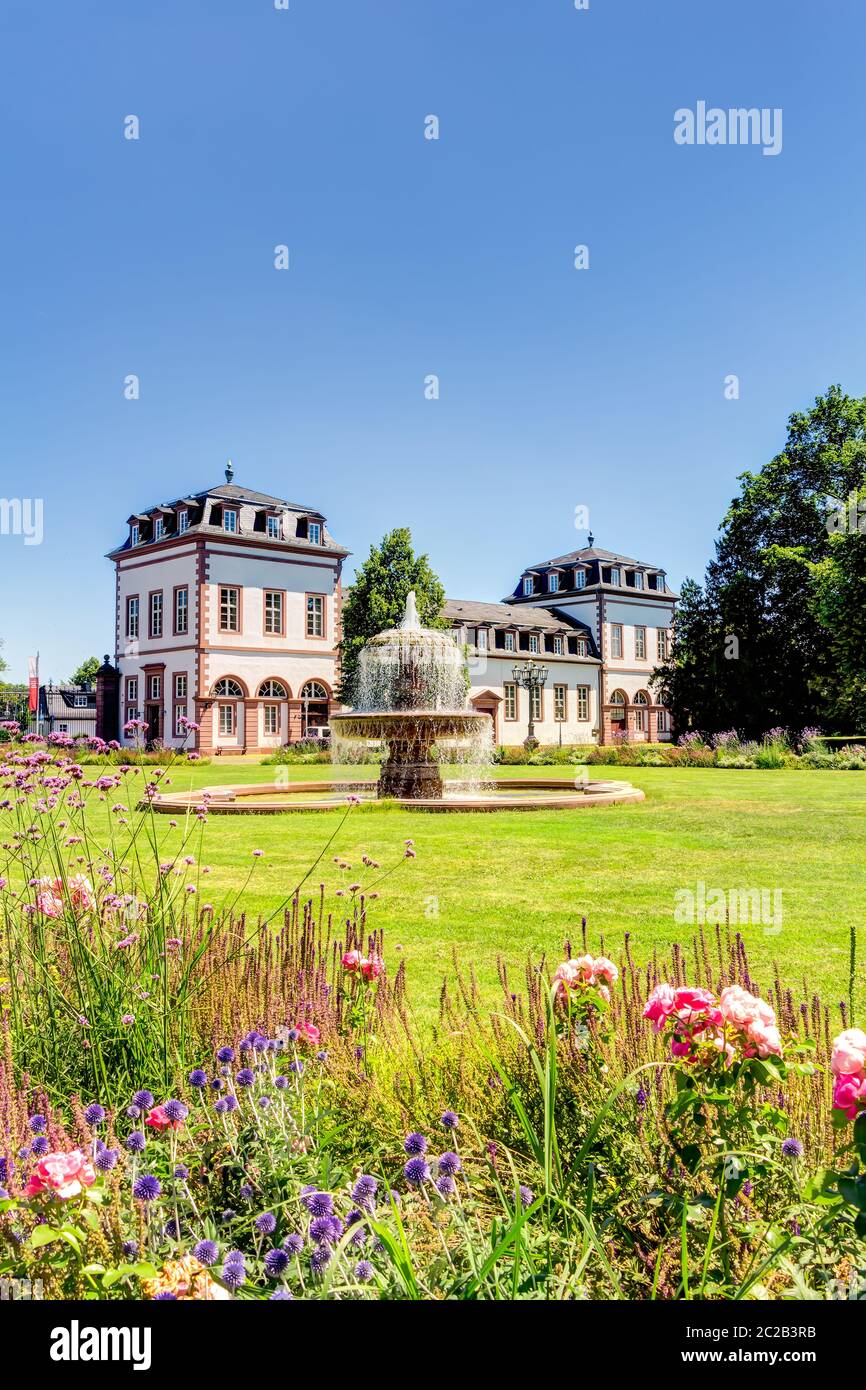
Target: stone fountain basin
389,724
515,794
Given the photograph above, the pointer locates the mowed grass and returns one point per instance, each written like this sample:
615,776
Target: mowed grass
512,883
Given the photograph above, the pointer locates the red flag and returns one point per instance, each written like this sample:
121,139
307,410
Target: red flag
33,671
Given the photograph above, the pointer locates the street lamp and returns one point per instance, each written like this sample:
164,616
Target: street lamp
532,677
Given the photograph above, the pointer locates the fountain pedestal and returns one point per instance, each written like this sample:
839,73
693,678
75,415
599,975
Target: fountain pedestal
415,781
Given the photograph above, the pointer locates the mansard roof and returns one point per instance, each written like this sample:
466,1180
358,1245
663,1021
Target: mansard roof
594,561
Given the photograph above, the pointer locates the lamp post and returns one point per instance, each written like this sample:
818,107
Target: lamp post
532,677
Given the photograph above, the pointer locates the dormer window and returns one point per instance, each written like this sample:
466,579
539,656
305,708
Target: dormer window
527,584
134,533
158,528
481,639
533,643
182,522
580,579
552,583
274,528
616,576
509,641
557,646
230,520
638,579
314,533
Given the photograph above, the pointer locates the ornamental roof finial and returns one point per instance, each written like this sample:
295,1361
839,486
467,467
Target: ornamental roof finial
590,540
230,472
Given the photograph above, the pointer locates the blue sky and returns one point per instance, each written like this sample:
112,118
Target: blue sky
409,257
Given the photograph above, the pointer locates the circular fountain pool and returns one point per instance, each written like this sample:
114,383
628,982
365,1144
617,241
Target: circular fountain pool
517,794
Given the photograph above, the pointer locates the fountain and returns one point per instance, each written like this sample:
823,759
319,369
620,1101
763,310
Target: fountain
412,697
413,701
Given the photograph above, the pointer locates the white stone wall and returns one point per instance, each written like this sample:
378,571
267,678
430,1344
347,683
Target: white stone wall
491,671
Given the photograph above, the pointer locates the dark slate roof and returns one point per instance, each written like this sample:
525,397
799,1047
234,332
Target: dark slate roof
590,553
595,560
535,619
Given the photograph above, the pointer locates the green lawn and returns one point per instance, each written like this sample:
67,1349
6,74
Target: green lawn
515,882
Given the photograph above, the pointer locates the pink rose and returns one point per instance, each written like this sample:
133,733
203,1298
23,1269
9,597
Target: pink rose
62,1174
605,969
765,1037
659,1006
310,1032
372,968
846,1093
849,1052
742,1008
352,961
690,1000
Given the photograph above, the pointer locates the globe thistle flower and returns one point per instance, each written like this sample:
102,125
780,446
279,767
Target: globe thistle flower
133,1112
281,1083
37,1124
143,1099
280,1296
221,1106
105,1160
415,1144
417,1171
217,1084
445,1185
171,1229
227,1216
231,1103
322,1056
245,1077
527,1196
234,1257
294,1243
226,1054
130,1249
449,1164
364,1271
136,1142
792,1148
198,1078
234,1275
164,1296
318,1203
175,1110
364,1191
146,1188
181,1172
206,1252
276,1261
320,1257
263,1102
266,1223
39,1145
449,1120
248,1192
94,1114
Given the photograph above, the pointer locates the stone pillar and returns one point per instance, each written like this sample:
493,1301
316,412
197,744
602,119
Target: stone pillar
251,726
108,701
204,718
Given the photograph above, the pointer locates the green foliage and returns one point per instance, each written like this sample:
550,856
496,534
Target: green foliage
378,596
85,674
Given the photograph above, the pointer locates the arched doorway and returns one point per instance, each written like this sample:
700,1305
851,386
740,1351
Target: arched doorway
640,702
618,703
315,705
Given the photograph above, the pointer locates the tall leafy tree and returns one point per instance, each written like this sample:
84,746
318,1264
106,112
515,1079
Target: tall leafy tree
378,596
753,648
86,672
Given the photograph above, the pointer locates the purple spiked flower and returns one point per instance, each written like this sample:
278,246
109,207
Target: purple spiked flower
415,1144
266,1223
146,1188
417,1171
276,1261
94,1114
206,1252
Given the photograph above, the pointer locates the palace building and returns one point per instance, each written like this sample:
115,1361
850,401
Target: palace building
227,615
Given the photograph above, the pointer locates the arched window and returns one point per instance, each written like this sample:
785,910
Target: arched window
618,698
273,690
640,698
617,713
313,690
640,703
228,689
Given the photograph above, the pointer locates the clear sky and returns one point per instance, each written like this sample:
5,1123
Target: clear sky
409,257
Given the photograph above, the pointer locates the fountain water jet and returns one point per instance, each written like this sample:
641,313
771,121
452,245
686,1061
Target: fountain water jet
412,696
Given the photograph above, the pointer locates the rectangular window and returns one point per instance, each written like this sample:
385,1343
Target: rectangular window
583,702
180,685
230,609
132,616
154,686
640,643
134,534
616,639
533,643
509,693
615,577
481,639
315,615
638,580
79,702
274,611
158,528
527,584
535,698
662,721
274,530
131,689
182,522
181,610
662,643
509,641
230,521
227,719
581,646
179,714
559,701
314,533
156,614
580,579
272,719
557,646
552,583
132,713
